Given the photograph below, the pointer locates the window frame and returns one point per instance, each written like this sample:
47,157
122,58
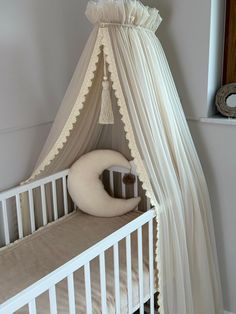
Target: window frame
229,73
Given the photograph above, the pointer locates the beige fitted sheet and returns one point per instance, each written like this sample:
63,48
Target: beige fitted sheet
30,259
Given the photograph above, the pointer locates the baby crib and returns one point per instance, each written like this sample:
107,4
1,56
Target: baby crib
135,292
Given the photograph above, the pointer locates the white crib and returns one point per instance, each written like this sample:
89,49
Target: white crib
28,296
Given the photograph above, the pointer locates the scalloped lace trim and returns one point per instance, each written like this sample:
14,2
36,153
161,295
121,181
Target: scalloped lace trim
141,171
79,104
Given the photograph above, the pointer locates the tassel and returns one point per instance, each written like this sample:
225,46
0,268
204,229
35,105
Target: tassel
106,113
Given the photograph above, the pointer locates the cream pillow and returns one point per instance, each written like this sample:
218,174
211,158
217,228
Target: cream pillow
87,190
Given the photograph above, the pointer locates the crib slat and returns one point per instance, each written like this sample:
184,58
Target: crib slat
123,190
5,222
103,282
148,203
71,293
32,307
111,178
65,200
117,276
140,269
19,216
31,209
88,288
43,199
53,300
151,265
136,187
54,199
129,274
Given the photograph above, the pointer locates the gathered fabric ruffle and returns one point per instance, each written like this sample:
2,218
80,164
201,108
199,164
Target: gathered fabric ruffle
125,12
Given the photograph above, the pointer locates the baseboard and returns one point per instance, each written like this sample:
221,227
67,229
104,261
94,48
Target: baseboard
226,312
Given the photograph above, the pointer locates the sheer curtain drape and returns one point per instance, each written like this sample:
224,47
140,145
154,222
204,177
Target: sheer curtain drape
159,141
187,262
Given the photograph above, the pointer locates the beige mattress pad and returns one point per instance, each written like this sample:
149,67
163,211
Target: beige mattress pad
32,258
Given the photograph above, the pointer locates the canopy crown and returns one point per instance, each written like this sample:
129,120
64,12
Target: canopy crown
128,12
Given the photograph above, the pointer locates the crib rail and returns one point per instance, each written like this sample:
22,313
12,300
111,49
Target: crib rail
13,196
12,199
48,283
26,187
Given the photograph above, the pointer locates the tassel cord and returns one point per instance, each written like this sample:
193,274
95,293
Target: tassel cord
106,113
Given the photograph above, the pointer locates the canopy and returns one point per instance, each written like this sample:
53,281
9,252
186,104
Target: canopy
155,129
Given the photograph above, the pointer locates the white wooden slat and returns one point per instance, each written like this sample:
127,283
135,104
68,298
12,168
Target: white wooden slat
32,307
129,273
88,288
140,269
44,209
151,265
123,190
111,180
19,216
54,199
117,276
31,210
65,199
148,203
103,282
5,222
53,300
71,293
136,187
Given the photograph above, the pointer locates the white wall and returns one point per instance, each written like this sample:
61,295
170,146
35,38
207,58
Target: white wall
40,43
184,34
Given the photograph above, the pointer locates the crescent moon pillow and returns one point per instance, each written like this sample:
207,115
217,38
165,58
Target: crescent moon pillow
87,190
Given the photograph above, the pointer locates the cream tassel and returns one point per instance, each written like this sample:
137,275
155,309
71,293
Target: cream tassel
106,113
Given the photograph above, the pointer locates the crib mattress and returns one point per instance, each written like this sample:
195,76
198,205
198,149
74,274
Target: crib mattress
27,261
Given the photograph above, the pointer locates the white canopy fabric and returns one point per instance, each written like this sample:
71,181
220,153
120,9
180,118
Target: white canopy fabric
159,141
